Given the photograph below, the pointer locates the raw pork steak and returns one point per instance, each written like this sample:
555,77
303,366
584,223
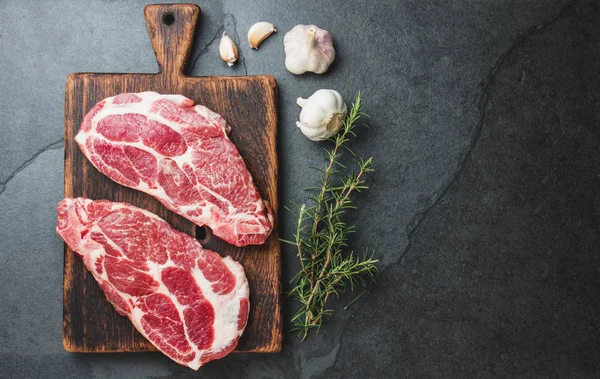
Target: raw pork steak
189,302
178,152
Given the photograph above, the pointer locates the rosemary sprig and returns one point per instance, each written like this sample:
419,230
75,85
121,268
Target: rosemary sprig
327,267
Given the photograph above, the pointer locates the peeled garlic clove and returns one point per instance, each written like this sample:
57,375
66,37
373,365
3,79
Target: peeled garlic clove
308,48
228,50
260,32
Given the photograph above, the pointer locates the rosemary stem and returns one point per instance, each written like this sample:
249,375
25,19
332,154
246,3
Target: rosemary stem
321,274
320,202
322,235
314,286
353,185
298,236
327,295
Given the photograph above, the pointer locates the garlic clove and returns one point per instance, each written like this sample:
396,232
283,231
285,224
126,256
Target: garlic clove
314,116
260,32
228,50
300,101
310,133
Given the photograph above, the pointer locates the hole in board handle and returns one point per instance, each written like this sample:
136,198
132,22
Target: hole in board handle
202,234
168,19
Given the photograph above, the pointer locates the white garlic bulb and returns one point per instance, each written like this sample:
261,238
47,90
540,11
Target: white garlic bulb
322,114
308,48
228,50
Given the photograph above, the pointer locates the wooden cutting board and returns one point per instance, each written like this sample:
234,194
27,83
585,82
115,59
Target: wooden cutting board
90,323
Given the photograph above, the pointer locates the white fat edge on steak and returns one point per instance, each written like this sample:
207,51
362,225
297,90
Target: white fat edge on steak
226,307
142,107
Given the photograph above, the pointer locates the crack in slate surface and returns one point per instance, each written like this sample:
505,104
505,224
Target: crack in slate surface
52,146
237,41
244,64
206,46
482,103
482,106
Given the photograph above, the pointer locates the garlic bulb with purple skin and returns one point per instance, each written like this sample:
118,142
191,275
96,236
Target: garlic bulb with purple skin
308,48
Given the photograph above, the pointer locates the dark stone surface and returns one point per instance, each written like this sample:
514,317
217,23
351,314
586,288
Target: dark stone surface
484,210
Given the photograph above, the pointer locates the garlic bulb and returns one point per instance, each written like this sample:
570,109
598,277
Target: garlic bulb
322,114
308,48
260,32
228,50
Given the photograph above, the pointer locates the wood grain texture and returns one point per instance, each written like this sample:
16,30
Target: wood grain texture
248,104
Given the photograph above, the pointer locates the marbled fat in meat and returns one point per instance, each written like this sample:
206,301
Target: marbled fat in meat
189,302
178,152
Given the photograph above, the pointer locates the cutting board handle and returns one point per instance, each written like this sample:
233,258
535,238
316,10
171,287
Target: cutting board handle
171,28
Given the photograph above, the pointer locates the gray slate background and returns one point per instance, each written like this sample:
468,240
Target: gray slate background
484,208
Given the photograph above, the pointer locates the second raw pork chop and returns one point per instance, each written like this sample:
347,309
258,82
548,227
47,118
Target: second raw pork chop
178,152
189,302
